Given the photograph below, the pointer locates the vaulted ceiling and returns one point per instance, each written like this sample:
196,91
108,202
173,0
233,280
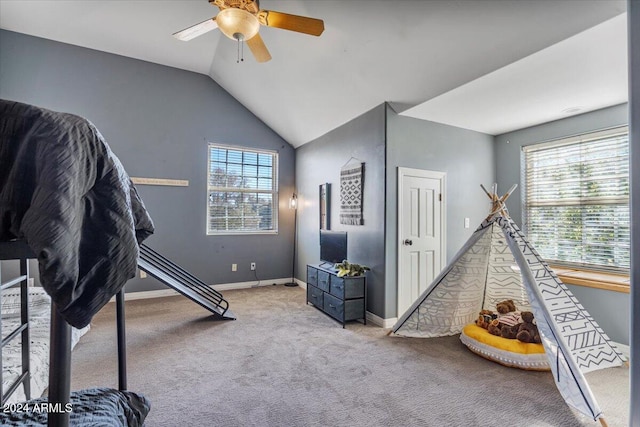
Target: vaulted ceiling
486,65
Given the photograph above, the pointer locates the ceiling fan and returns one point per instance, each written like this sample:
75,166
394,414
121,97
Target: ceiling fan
240,20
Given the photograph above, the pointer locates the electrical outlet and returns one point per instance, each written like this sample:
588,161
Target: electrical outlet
234,267
253,266
466,223
143,275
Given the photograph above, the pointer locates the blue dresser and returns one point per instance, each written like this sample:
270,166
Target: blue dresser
343,298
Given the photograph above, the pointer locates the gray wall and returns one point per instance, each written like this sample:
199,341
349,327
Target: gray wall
465,156
319,162
609,309
158,121
634,121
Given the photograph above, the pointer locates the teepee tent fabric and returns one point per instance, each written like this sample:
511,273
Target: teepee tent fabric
498,263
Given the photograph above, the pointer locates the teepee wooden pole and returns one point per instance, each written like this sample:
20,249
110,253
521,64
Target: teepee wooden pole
508,193
603,422
486,192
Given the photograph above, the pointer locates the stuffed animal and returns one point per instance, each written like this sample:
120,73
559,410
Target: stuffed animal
485,317
528,330
345,268
508,319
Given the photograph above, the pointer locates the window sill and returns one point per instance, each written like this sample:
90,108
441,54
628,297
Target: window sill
593,279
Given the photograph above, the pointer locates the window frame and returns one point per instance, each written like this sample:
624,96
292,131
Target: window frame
273,191
557,143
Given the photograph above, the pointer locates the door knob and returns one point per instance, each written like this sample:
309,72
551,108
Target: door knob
408,242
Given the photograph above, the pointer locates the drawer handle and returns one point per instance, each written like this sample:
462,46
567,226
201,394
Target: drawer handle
332,306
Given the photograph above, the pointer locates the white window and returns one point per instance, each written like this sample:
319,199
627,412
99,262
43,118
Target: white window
576,200
242,190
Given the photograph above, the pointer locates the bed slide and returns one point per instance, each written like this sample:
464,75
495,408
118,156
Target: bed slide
184,282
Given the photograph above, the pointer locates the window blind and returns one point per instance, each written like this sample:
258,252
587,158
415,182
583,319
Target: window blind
576,200
242,190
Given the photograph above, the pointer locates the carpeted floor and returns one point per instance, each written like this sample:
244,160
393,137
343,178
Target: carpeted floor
284,363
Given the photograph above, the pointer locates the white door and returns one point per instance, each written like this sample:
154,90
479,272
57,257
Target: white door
421,225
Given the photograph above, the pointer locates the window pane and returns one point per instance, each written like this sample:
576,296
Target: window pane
250,158
234,156
250,171
265,159
242,191
265,171
219,155
265,183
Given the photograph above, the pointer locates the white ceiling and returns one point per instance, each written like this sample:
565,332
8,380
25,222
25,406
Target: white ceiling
491,66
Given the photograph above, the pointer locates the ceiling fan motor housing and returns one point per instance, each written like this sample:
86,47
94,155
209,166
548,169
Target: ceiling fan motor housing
237,24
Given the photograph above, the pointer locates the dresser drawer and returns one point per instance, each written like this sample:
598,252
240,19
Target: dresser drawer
334,307
323,280
347,287
312,276
315,296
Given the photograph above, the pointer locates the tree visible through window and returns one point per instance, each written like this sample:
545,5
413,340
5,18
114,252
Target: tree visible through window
242,190
576,204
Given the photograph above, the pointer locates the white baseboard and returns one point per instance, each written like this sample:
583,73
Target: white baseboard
379,321
130,296
624,349
373,318
252,284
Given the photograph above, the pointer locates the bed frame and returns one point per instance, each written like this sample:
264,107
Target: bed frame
60,340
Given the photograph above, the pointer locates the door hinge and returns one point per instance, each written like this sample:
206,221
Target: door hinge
440,197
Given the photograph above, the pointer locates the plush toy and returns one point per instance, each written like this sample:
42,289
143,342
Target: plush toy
527,329
506,306
505,325
345,268
485,317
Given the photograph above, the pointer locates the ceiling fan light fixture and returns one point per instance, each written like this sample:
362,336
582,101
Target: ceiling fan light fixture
237,24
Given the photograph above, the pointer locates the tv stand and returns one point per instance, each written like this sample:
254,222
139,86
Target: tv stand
343,298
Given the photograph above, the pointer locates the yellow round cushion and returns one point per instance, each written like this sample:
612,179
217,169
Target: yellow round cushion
509,352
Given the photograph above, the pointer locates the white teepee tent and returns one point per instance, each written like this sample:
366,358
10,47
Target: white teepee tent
498,263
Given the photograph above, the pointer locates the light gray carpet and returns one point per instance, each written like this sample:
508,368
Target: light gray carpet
284,363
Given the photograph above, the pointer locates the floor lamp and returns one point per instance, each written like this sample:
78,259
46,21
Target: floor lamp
293,204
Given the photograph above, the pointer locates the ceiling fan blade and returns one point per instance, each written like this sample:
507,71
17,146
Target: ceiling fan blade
258,48
196,30
300,24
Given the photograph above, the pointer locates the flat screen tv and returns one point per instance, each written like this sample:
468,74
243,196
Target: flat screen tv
333,246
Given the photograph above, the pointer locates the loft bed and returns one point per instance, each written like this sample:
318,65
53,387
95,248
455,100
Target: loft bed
16,388
66,201
18,407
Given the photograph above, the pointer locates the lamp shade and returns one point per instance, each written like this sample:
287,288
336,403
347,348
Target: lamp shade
237,24
293,202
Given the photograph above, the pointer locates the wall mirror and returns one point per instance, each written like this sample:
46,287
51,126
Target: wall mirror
325,206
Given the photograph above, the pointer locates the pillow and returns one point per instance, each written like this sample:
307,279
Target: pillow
508,352
39,301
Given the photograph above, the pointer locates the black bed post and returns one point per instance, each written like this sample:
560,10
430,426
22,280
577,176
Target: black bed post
24,318
122,341
60,369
